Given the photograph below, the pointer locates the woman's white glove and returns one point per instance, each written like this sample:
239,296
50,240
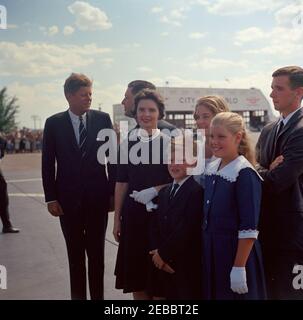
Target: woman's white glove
150,206
238,282
144,196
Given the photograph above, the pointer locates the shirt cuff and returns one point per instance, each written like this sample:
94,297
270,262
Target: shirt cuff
47,202
246,234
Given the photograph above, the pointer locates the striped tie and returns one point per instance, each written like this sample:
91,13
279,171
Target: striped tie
82,136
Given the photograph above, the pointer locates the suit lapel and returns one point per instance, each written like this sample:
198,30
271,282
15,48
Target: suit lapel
272,142
286,131
70,133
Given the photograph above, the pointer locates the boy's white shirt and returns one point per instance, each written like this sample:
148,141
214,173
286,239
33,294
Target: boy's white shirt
179,183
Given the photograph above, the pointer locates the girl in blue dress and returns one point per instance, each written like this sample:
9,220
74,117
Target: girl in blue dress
233,266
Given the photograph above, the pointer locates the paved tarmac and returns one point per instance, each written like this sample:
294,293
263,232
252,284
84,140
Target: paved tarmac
35,259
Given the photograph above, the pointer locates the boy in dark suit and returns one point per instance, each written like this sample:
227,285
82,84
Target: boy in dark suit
176,235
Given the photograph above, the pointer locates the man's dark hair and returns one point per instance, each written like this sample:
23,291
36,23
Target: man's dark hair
138,85
294,73
148,94
75,81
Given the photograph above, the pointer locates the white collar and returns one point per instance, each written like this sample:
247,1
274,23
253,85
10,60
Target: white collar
75,118
138,132
286,119
231,171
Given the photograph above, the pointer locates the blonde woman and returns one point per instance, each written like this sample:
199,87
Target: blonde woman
206,108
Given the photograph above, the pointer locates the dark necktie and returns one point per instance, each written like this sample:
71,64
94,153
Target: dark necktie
82,136
277,144
280,128
173,191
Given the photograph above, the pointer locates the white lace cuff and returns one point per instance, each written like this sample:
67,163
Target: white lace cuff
245,234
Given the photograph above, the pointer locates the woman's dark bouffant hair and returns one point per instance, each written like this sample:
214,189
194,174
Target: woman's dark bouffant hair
149,94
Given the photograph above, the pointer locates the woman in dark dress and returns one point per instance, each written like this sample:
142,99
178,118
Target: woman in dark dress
138,182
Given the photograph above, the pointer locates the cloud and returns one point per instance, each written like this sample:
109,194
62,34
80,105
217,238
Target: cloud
250,35
12,26
213,63
68,30
50,31
53,30
175,16
133,45
240,7
144,69
35,59
42,99
286,15
197,35
47,98
156,9
279,41
107,62
89,17
164,34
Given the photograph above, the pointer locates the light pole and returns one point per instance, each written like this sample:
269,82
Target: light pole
35,118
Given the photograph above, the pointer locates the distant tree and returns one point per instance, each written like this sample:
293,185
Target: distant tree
8,111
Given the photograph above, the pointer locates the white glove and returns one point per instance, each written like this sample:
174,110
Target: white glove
144,196
238,282
150,206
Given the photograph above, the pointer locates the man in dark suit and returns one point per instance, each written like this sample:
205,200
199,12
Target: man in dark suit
133,88
280,157
4,212
76,186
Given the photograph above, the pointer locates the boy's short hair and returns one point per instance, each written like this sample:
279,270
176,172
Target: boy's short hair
75,81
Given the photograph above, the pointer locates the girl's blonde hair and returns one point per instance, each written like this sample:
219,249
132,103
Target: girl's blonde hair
234,123
215,104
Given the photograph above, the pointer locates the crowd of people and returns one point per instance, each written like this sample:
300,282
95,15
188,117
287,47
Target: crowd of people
235,231
23,140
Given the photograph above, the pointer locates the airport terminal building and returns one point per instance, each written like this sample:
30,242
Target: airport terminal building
180,103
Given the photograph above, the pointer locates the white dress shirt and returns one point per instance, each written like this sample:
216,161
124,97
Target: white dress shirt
286,119
179,183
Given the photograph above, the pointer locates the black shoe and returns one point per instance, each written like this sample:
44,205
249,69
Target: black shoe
10,230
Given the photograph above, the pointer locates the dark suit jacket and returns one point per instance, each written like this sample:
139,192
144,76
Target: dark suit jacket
2,147
66,175
177,233
281,222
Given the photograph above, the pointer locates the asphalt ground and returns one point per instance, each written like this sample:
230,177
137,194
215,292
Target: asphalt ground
35,259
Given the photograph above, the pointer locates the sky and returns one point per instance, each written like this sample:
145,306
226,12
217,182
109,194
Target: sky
179,43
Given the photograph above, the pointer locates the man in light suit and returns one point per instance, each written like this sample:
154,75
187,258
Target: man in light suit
280,157
76,186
